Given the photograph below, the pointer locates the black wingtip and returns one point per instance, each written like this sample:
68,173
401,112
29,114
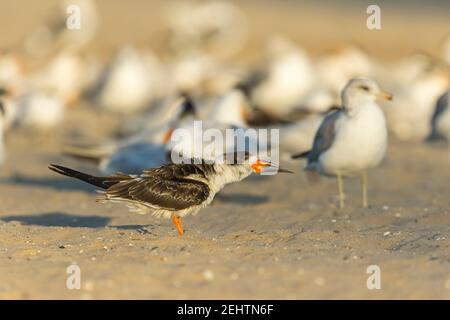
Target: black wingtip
285,171
56,168
300,155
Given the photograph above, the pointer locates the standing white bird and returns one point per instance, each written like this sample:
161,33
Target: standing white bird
352,140
174,190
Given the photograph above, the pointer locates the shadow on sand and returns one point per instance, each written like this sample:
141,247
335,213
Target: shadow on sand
57,219
143,229
241,198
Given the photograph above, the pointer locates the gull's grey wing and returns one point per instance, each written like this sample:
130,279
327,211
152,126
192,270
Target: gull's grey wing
166,188
441,105
324,137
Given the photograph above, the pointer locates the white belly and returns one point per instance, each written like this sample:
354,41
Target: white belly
360,143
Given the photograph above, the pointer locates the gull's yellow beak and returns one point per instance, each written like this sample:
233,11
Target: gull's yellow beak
385,96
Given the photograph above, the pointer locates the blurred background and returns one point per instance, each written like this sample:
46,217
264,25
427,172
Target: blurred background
406,25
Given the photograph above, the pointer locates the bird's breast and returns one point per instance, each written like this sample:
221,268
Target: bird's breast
360,142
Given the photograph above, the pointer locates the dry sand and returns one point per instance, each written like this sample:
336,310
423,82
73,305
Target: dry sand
267,237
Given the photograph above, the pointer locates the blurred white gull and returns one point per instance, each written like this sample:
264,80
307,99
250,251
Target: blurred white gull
136,153
298,137
440,122
11,73
352,140
131,81
54,35
409,116
39,110
63,75
402,72
200,74
229,112
287,78
337,66
217,27
297,129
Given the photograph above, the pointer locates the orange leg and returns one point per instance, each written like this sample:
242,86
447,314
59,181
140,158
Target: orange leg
177,222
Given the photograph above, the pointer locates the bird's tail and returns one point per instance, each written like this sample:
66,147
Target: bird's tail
100,182
301,155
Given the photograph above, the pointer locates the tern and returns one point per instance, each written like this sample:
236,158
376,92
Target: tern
137,152
351,140
173,190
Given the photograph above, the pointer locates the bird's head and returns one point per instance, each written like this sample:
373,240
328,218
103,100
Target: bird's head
361,90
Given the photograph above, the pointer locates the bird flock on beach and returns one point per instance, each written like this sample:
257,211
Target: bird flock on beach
335,110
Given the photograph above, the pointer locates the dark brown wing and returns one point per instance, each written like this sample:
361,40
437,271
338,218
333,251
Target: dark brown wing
167,187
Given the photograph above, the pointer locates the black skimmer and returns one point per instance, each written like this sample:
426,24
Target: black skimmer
173,190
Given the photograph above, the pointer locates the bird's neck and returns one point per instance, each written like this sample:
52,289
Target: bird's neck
226,174
354,107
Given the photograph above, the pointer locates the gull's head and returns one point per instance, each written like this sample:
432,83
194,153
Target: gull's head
362,90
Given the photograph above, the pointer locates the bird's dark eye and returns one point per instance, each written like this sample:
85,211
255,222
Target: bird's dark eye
365,88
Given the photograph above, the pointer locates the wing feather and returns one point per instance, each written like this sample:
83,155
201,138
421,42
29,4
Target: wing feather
324,137
167,188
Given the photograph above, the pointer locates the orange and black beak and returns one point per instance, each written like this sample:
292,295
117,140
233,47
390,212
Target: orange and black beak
258,166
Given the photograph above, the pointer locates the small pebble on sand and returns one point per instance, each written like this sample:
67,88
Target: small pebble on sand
208,275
